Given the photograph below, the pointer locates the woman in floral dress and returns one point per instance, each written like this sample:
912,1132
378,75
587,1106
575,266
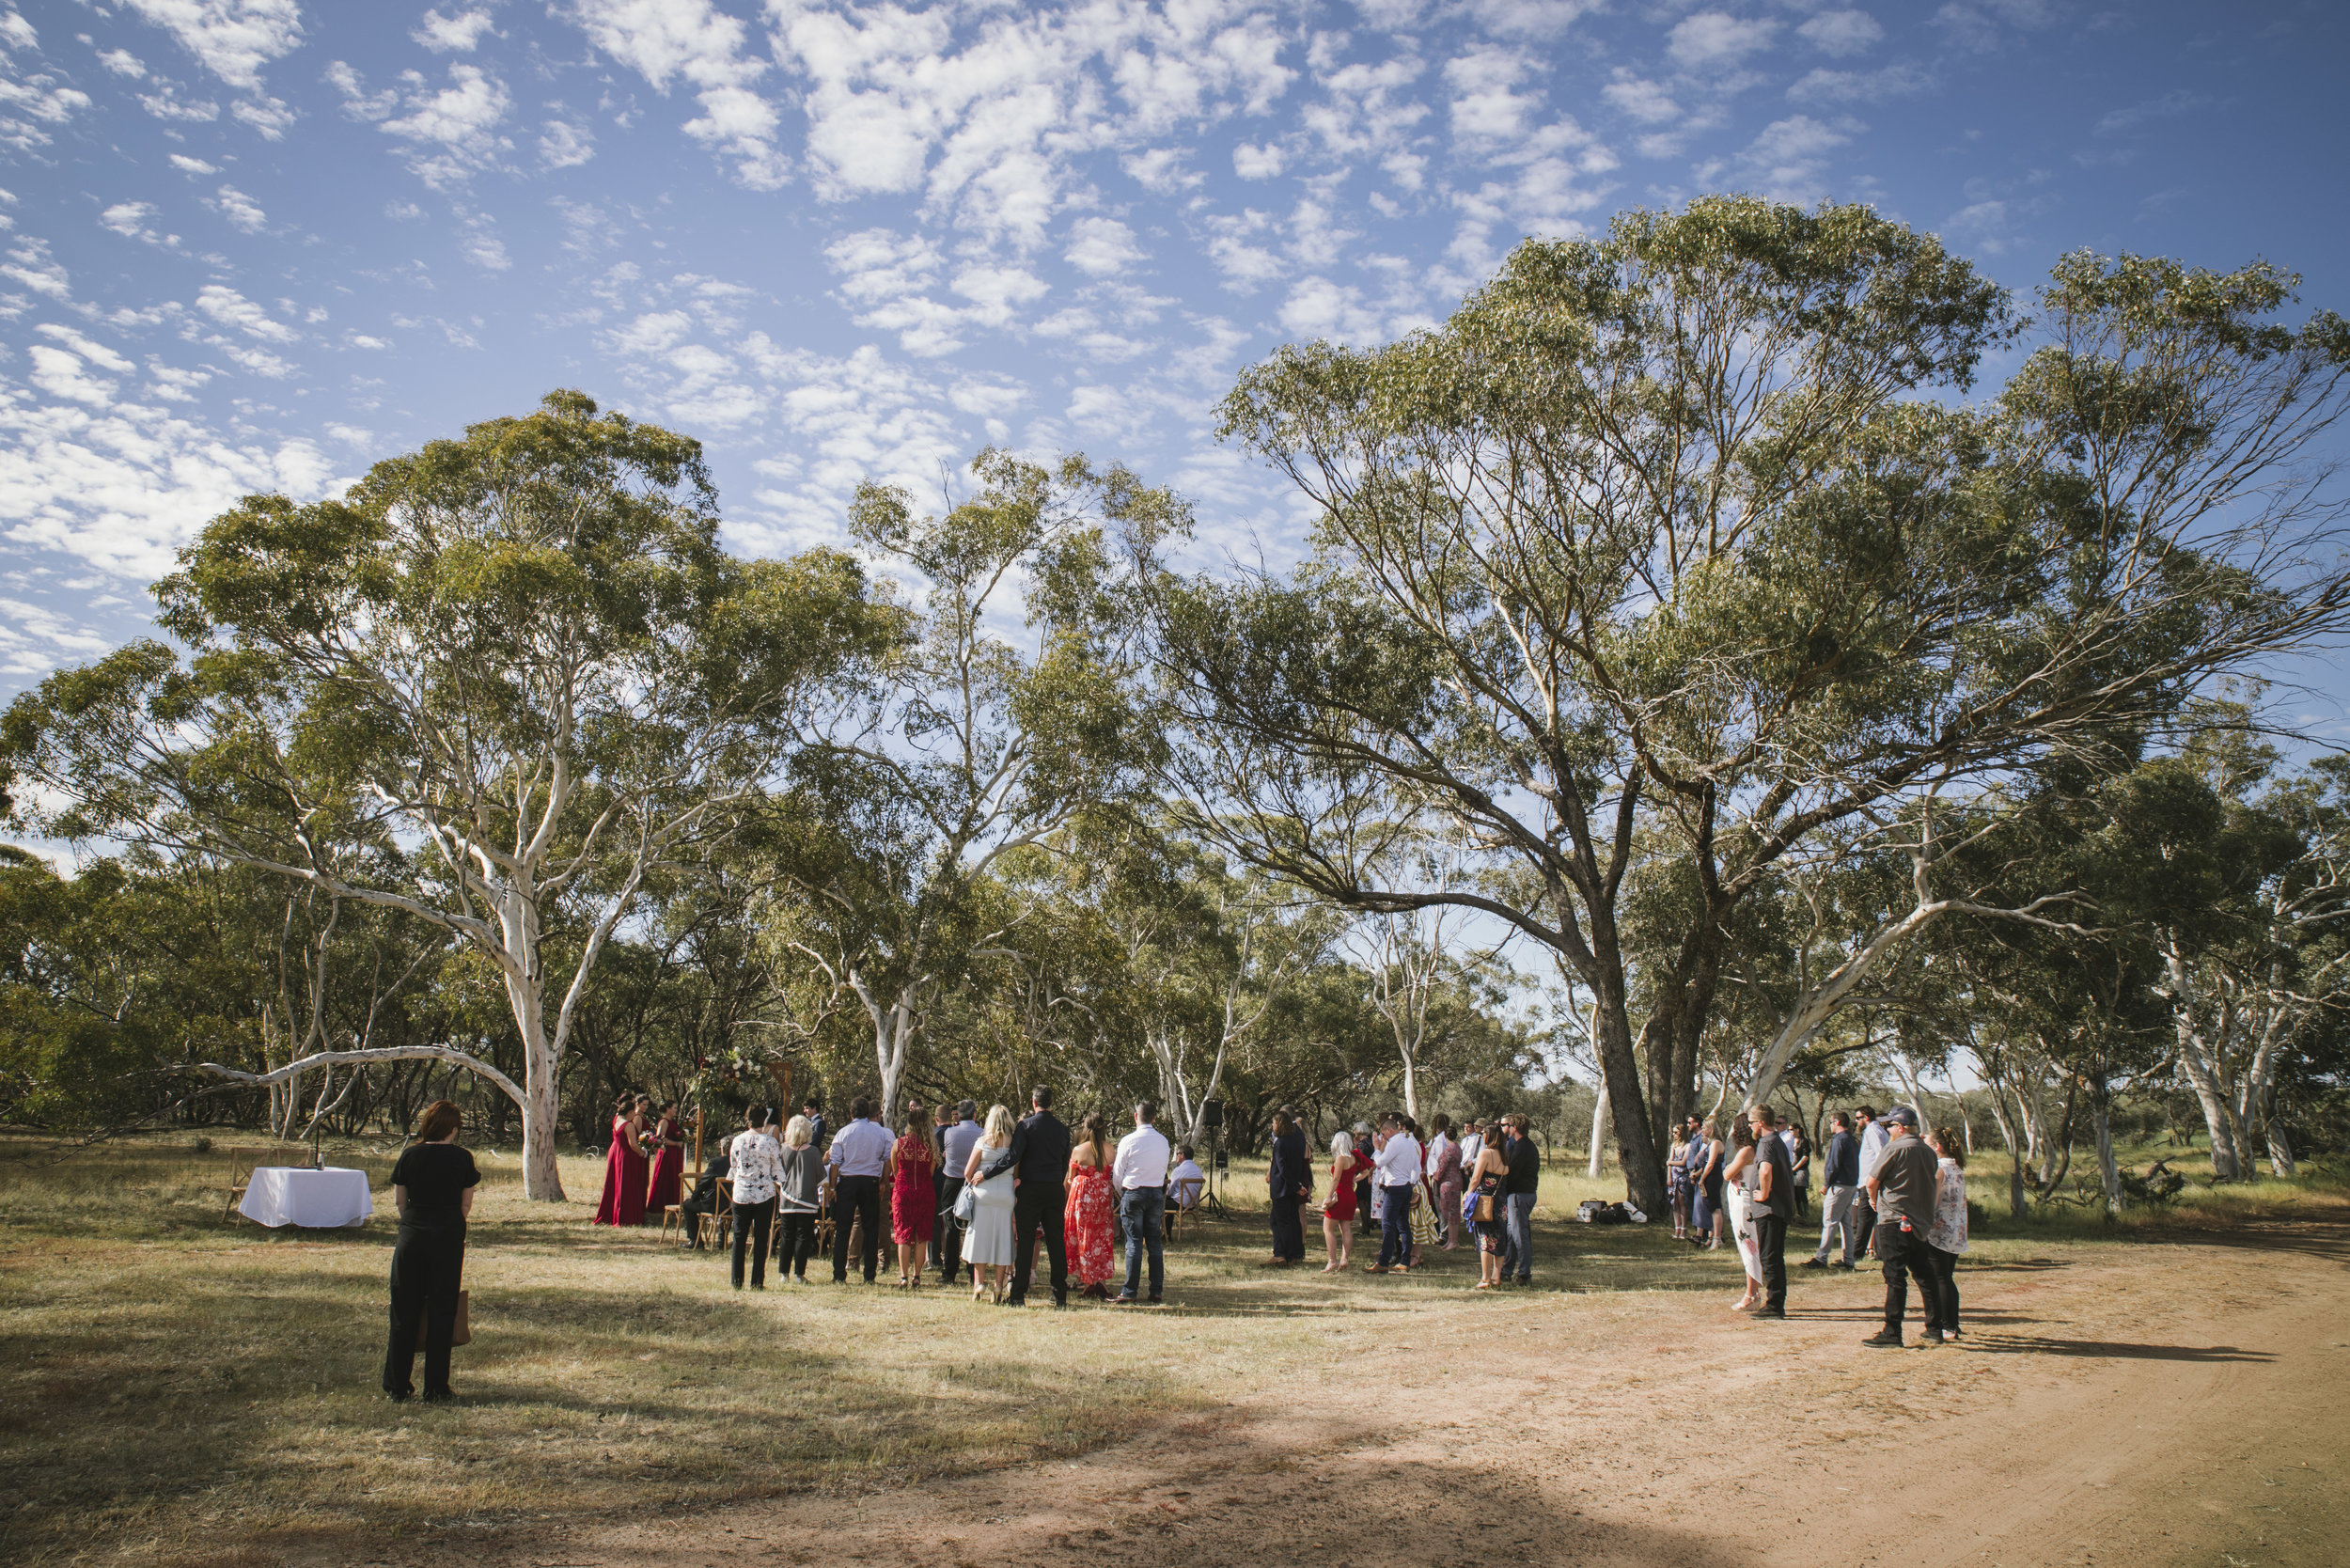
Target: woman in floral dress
1086,1218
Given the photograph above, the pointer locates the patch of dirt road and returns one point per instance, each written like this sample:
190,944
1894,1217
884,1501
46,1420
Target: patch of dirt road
2174,1403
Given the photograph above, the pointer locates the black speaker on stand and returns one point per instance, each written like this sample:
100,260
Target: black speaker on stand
1211,1123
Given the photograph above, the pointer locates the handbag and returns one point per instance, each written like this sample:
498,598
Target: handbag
966,1203
463,1334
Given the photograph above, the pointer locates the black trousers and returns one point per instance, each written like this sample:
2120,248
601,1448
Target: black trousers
1940,1285
1289,1230
795,1242
1905,1253
1770,1246
1864,1221
946,1232
1032,1206
752,1224
855,1197
428,1266
692,1211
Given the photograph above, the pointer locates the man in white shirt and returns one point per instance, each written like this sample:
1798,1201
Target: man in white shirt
1438,1145
1472,1145
1138,1177
858,1151
1873,1141
1186,1182
1396,1168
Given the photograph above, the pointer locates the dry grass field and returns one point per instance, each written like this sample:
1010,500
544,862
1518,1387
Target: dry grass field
177,1388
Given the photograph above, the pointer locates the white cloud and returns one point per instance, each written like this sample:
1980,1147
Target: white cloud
1715,41
96,352
269,115
1841,33
233,39
451,134
1256,163
1317,307
167,103
130,220
1788,159
666,40
565,143
31,264
124,486
1823,85
229,309
1976,24
61,376
446,34
122,63
35,639
37,101
1639,99
1100,246
2168,106
191,166
240,209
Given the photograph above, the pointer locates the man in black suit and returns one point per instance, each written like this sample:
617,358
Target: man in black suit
703,1200
1038,1157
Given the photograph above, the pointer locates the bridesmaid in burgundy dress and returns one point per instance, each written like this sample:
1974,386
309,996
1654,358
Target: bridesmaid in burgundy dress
668,1163
913,1197
624,1165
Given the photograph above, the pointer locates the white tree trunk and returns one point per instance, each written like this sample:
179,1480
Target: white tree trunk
2106,1169
1599,1125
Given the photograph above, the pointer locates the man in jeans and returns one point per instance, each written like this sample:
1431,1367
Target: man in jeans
1904,1188
1843,1188
1770,1204
1525,1173
1871,1136
1138,1176
1398,1163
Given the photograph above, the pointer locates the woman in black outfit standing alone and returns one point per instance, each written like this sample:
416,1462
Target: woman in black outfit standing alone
433,1187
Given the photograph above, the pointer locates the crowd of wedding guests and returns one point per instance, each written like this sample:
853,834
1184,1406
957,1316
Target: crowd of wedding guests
962,1192
955,1190
952,1191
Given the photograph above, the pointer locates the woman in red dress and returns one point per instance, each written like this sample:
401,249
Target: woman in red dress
1338,1212
624,1164
1086,1218
668,1163
913,1197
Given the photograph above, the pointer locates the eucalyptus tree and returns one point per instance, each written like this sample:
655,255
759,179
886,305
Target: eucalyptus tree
518,666
1675,526
1004,711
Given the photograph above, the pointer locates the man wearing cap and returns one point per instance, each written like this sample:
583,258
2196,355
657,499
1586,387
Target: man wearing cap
1902,1189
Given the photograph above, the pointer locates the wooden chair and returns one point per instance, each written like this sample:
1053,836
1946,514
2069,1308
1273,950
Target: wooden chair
244,1161
714,1225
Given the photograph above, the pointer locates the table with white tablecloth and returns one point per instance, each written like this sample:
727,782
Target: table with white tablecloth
315,1200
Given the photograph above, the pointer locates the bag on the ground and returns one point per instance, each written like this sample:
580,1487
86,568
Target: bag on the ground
1598,1210
463,1334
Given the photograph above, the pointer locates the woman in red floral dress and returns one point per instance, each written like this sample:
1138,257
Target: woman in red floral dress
1088,1219
913,1197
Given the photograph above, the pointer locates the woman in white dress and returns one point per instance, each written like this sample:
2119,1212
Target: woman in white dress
1742,1214
988,1248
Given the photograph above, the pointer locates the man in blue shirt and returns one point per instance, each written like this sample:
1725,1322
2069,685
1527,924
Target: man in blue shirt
1844,1186
954,1151
858,1151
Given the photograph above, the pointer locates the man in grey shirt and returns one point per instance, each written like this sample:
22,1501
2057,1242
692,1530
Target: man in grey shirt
1770,1204
1903,1184
954,1145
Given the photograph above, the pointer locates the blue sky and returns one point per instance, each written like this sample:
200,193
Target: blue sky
255,245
